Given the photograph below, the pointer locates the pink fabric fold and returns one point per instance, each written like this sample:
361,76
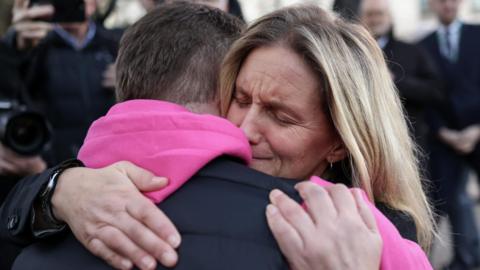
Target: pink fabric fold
397,252
163,138
170,141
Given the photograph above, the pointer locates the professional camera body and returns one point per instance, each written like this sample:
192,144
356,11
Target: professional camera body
66,11
24,131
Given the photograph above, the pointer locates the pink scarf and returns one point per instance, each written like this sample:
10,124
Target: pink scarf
170,141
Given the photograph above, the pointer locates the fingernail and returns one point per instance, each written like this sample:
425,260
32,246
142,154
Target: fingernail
126,264
174,241
169,258
271,210
358,193
160,180
148,262
274,194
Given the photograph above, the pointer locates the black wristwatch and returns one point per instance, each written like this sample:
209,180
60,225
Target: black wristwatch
49,223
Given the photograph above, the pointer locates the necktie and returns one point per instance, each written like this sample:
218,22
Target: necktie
448,45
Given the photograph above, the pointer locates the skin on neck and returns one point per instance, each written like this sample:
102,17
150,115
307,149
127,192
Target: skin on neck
204,108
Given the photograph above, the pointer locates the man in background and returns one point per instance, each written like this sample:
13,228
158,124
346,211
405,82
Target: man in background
412,69
456,127
62,66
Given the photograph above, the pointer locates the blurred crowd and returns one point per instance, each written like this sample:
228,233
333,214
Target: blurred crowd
57,75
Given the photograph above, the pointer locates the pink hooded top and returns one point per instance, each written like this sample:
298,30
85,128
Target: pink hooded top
170,141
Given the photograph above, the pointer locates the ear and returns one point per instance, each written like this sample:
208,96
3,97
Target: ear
337,153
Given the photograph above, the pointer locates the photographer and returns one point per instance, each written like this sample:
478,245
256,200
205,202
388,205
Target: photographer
66,64
13,166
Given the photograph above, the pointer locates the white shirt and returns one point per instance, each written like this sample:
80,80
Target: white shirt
382,41
453,37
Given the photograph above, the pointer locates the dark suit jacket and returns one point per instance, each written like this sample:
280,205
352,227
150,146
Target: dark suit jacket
417,81
220,213
462,80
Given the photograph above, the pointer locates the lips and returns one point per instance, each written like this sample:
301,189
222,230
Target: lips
262,158
260,153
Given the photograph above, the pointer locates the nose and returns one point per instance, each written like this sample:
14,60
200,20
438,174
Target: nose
250,125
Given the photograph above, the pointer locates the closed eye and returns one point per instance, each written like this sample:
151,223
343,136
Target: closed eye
242,102
281,118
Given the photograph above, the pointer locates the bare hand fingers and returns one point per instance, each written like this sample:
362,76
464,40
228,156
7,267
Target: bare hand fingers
292,212
115,240
343,200
99,249
365,212
287,237
149,214
32,13
144,180
19,4
318,201
8,168
33,26
148,241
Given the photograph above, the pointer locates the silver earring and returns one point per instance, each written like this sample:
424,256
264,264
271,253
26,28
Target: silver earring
331,165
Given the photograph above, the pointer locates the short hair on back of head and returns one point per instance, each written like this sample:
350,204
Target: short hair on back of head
174,53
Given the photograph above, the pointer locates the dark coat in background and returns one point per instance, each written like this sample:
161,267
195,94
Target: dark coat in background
11,87
461,78
418,83
447,167
349,9
66,84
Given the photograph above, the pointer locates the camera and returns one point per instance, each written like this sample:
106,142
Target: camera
24,131
66,11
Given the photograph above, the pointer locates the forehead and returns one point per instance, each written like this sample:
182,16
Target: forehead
277,70
374,6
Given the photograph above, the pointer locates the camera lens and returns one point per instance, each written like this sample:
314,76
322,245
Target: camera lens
26,133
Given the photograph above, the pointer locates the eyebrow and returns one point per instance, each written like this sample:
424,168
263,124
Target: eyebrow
274,104
240,90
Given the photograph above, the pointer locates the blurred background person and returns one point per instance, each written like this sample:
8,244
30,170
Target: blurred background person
65,68
455,128
412,69
12,165
347,8
60,69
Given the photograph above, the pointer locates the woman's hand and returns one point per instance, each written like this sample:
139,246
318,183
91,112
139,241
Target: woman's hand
108,214
337,231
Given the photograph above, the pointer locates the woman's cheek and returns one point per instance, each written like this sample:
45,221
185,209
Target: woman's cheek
234,115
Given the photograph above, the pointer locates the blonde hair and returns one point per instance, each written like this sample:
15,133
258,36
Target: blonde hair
360,97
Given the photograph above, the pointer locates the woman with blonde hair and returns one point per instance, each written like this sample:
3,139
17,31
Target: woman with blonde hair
357,95
370,146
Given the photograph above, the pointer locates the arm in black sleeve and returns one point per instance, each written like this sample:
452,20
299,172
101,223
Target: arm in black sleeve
16,210
24,207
